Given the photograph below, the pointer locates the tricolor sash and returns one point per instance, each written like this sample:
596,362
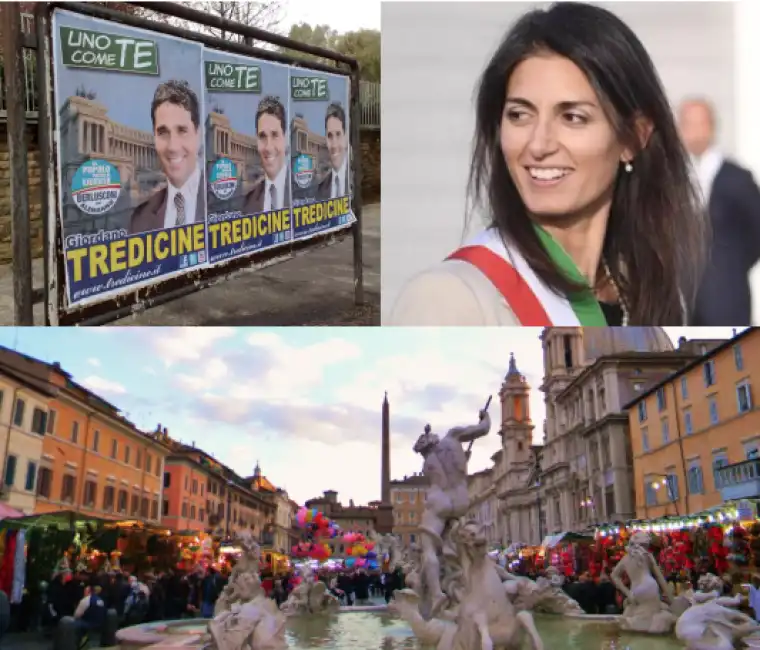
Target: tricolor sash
533,303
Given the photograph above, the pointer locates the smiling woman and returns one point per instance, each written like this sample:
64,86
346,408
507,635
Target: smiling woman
577,163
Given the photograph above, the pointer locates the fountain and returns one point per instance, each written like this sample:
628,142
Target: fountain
456,597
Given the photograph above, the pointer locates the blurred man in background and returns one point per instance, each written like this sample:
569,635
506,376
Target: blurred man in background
733,201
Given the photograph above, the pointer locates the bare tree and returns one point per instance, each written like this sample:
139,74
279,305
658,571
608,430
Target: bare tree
266,14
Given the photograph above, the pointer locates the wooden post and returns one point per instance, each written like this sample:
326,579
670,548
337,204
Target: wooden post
356,203
13,63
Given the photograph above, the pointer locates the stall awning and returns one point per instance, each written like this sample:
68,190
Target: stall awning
551,541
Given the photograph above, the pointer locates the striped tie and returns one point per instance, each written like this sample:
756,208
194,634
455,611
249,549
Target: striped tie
179,203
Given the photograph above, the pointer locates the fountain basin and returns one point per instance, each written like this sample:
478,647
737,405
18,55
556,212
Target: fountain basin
373,628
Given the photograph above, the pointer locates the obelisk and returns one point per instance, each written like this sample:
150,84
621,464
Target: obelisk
385,481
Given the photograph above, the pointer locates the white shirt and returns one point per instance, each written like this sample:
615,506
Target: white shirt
279,184
84,605
706,168
341,176
189,193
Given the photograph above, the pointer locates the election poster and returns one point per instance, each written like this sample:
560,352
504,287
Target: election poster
248,193
131,173
319,150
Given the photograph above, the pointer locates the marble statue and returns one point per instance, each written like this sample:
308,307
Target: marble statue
244,618
388,545
545,595
310,596
445,467
712,623
484,617
411,565
644,610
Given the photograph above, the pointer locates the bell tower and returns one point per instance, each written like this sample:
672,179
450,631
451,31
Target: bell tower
516,426
564,358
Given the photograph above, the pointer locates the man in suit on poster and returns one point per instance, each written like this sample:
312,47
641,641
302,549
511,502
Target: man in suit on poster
732,199
271,191
335,182
175,112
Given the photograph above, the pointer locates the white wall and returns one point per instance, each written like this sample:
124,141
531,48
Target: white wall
433,54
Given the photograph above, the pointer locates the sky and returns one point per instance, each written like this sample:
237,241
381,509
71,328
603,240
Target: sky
303,402
338,14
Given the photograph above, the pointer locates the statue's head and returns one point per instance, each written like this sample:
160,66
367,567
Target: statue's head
640,538
709,582
426,441
470,536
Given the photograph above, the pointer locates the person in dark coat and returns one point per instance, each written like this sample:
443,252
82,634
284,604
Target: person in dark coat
732,198
606,595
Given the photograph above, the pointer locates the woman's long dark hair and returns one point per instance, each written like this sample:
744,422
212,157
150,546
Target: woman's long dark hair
657,230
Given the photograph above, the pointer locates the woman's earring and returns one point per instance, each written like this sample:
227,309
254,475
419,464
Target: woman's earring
628,166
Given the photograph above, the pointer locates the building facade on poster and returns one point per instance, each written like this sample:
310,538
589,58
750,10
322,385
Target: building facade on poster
167,155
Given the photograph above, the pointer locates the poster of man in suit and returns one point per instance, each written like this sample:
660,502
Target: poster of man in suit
131,180
320,148
247,153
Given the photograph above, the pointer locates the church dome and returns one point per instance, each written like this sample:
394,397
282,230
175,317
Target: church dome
603,341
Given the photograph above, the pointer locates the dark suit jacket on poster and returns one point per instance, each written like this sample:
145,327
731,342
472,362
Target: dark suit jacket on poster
149,215
324,189
254,201
724,294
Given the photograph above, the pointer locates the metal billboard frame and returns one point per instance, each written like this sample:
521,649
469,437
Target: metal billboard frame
173,288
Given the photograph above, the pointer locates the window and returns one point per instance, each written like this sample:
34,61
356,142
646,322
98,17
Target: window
645,439
665,431
144,508
719,460
68,487
695,479
738,360
184,510
743,397
192,512
148,463
650,492
51,421
31,476
138,459
165,509
44,482
412,538
10,471
75,432
123,501
135,505
90,492
671,483
684,388
114,449
39,421
661,402
167,479
18,414
195,486
642,411
713,410
96,440
127,454
154,510
708,371
109,494
687,422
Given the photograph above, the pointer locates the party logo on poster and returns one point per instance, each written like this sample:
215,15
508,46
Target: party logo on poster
223,178
96,186
303,170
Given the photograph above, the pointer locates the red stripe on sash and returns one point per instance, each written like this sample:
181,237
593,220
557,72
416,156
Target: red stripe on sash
509,283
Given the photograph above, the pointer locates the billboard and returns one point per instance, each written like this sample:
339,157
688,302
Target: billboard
246,149
173,157
319,152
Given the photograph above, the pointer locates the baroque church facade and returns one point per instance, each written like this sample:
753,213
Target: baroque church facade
582,473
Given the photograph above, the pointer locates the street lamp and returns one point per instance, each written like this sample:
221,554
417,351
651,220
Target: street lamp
589,503
537,469
666,481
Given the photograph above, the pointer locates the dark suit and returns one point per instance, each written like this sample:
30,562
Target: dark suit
724,293
253,202
150,214
324,189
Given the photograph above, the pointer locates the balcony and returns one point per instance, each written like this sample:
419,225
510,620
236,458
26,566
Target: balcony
739,481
